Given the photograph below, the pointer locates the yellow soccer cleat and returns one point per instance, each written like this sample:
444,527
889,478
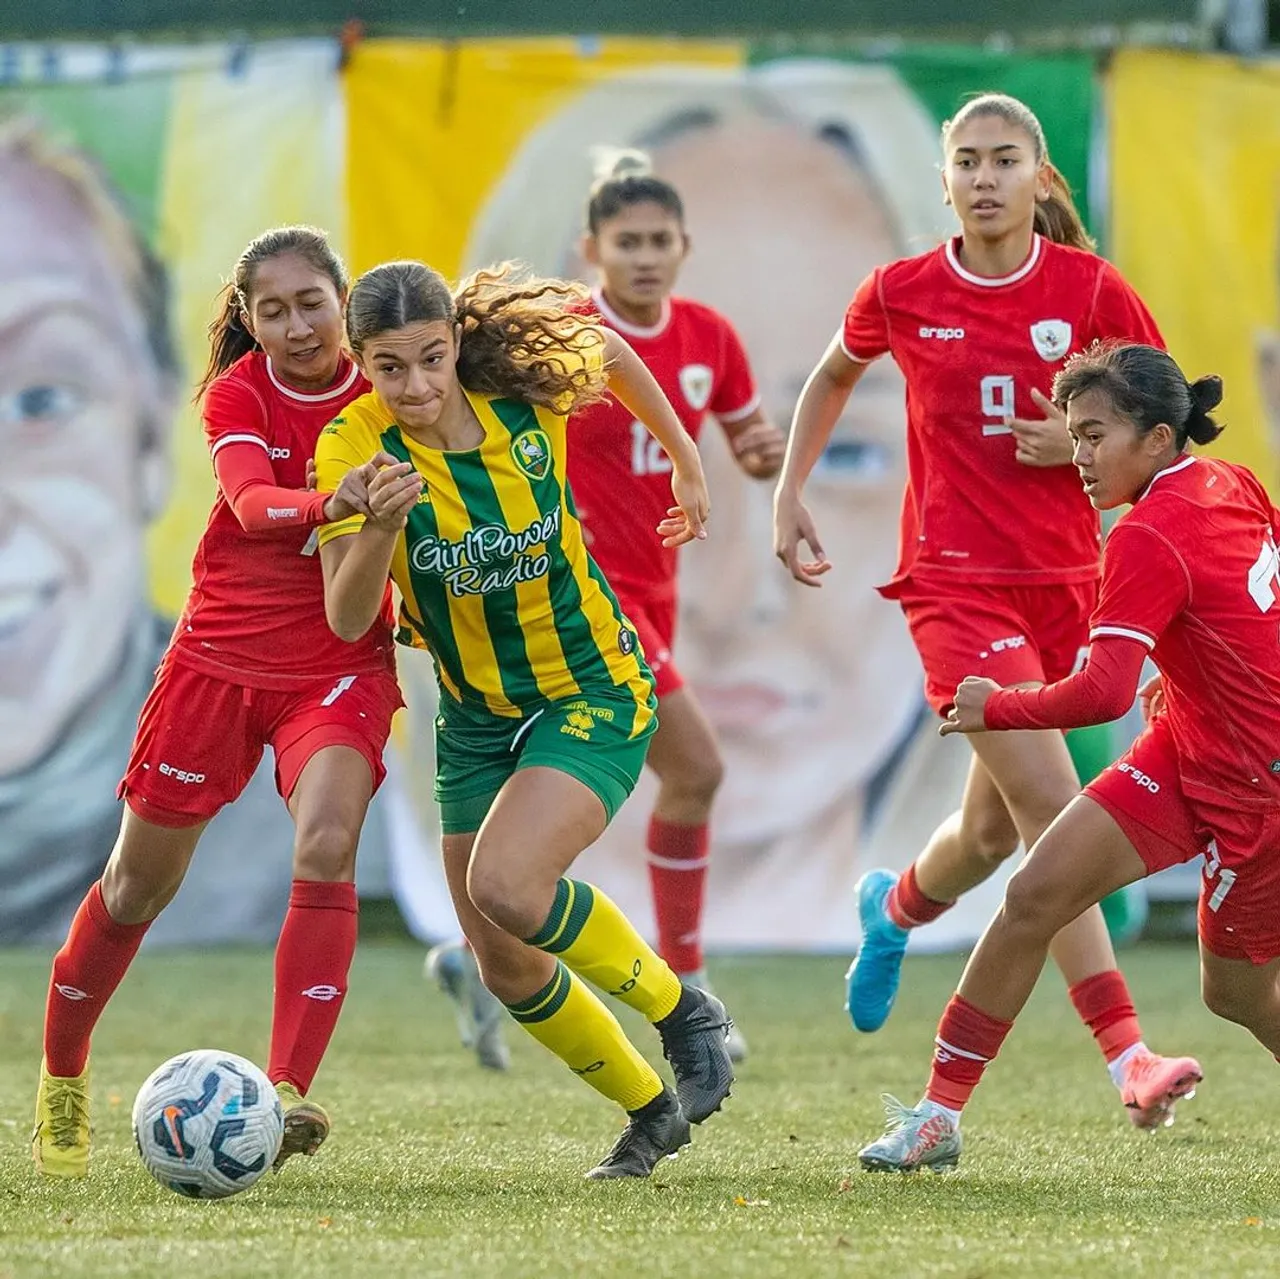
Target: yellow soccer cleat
60,1143
306,1124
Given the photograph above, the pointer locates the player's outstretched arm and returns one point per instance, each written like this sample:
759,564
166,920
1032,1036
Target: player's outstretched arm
758,445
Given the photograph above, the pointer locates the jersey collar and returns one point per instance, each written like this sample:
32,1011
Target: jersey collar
1180,465
993,281
339,388
626,328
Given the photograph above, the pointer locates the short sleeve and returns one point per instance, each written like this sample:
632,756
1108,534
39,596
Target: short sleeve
1145,585
734,395
865,335
341,446
1118,312
233,413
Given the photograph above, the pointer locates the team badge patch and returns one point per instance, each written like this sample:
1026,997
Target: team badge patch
531,452
626,642
1051,338
695,382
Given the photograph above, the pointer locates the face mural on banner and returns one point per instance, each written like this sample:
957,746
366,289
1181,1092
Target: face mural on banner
106,482
798,179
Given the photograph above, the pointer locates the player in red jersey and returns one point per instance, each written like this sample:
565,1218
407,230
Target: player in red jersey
621,481
252,662
999,554
1191,578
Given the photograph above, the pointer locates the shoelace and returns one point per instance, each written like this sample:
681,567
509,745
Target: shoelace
68,1111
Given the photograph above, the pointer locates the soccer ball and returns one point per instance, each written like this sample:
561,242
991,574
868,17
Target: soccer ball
207,1124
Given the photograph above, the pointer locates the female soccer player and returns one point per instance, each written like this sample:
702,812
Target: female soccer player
252,662
1190,577
620,476
546,704
999,548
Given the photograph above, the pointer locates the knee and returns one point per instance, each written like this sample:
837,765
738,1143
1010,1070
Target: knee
134,897
508,899
1032,909
325,850
507,968
696,781
990,839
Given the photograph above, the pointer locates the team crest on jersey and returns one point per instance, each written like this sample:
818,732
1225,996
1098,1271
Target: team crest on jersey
531,452
1051,338
695,382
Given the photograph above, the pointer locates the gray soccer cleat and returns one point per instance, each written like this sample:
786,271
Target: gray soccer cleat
480,1015
652,1133
694,1041
735,1041
923,1137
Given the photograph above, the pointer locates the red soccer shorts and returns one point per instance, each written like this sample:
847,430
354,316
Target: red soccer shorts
1011,634
200,738
655,623
1240,893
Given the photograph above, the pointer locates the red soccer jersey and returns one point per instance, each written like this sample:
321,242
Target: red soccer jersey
971,349
255,615
619,474
1191,571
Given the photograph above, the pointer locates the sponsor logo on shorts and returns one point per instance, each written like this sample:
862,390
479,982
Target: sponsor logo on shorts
277,454
73,993
582,718
941,334
1142,779
181,775
325,994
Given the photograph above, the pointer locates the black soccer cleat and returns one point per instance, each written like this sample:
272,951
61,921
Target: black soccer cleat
655,1131
694,1041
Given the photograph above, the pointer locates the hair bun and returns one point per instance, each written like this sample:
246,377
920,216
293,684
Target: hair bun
613,163
1206,393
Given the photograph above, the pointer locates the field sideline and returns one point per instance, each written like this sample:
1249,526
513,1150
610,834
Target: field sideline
437,1169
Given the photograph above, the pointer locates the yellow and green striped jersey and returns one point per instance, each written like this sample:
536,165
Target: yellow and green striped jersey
494,576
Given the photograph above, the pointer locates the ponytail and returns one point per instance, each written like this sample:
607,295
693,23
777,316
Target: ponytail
1206,395
1057,217
229,340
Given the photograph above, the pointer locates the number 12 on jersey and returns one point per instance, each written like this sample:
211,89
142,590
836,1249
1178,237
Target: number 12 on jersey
997,402
648,457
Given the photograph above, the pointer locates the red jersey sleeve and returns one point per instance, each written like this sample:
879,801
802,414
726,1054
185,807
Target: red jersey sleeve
1118,312
1102,691
865,335
1145,585
735,395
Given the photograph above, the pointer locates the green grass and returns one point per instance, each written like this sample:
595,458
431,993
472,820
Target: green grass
437,1169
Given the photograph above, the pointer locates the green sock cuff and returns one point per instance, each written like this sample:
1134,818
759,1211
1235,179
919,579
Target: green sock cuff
546,1002
569,914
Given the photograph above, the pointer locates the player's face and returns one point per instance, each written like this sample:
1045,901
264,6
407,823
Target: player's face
80,401
295,312
992,177
1115,461
638,253
414,369
807,689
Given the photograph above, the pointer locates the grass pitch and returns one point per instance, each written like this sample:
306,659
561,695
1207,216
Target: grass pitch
436,1168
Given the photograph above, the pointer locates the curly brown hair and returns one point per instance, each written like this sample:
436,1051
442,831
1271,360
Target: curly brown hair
521,336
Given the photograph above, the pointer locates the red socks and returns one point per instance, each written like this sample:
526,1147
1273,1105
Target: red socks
86,972
678,876
1105,1006
908,907
313,957
967,1039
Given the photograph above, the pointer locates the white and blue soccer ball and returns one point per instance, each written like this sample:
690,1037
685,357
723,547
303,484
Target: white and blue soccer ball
207,1124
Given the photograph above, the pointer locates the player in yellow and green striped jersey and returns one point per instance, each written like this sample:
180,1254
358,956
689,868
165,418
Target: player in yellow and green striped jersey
546,704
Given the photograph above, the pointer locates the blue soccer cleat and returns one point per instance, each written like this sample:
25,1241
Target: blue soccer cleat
872,979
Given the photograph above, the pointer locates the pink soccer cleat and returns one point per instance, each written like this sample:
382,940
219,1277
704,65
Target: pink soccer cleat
1152,1084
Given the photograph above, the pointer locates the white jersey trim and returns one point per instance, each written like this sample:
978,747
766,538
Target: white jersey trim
240,439
624,327
994,281
738,414
857,359
1168,470
1122,632
331,394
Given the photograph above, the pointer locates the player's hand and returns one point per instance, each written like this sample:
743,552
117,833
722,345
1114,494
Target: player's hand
352,494
1043,441
1151,698
686,520
968,714
759,450
792,525
393,493
311,475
